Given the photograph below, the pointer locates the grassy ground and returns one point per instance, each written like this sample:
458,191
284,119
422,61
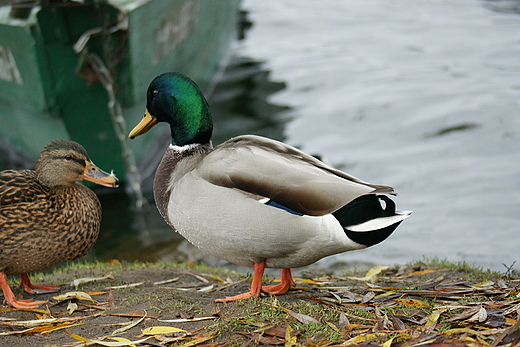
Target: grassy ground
432,303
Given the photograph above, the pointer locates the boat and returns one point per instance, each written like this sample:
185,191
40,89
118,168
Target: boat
79,70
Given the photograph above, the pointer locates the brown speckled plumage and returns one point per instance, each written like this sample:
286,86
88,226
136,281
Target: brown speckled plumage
40,226
45,216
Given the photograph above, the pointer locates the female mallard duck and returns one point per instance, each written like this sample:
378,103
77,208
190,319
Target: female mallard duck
46,217
254,201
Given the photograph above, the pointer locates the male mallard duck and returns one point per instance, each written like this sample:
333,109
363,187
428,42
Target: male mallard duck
254,201
46,217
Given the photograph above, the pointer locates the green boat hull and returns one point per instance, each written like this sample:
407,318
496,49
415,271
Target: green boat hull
54,66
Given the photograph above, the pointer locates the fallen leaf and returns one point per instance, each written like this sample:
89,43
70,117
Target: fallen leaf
412,302
367,297
198,340
71,307
385,294
111,300
371,274
41,322
463,331
58,327
206,289
389,342
44,329
343,320
483,284
215,277
200,278
6,319
107,343
73,295
79,281
121,339
495,320
34,310
303,318
290,340
258,338
129,326
161,330
433,318
464,315
449,294
422,272
480,316
127,285
396,322
171,280
311,281
334,327
363,338
180,320
132,315
376,270
277,331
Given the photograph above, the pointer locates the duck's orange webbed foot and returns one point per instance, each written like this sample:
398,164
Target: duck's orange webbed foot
286,281
10,299
24,304
36,288
256,285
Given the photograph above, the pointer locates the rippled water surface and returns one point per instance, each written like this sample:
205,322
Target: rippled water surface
420,95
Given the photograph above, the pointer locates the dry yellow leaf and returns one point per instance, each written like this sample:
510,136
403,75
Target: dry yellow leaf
73,295
463,331
372,273
199,340
483,284
108,343
158,330
423,272
362,338
121,339
290,340
412,302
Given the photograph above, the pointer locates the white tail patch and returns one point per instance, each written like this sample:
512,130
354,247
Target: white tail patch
379,223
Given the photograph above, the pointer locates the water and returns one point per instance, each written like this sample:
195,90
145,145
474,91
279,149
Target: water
420,95
375,87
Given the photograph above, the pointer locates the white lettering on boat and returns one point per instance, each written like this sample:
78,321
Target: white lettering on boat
8,69
175,29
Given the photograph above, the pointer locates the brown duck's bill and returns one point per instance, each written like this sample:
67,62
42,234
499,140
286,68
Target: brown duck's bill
94,174
144,125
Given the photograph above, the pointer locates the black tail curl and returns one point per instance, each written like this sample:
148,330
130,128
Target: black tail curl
363,209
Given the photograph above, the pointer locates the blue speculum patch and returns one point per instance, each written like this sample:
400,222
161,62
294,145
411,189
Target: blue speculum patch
287,209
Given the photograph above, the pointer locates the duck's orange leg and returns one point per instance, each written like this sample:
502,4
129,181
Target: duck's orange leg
286,281
256,285
36,288
10,299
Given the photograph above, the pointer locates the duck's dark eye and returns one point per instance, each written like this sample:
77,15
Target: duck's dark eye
68,157
155,93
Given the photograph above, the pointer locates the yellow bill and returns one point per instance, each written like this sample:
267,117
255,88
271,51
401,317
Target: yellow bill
144,125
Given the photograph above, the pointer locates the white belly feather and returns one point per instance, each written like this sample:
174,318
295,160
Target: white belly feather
235,227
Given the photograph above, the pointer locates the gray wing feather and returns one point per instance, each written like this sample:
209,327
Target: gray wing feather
284,174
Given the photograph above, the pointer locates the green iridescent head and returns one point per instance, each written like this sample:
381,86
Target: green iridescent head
174,98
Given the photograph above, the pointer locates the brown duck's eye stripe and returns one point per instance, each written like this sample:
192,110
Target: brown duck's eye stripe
70,157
